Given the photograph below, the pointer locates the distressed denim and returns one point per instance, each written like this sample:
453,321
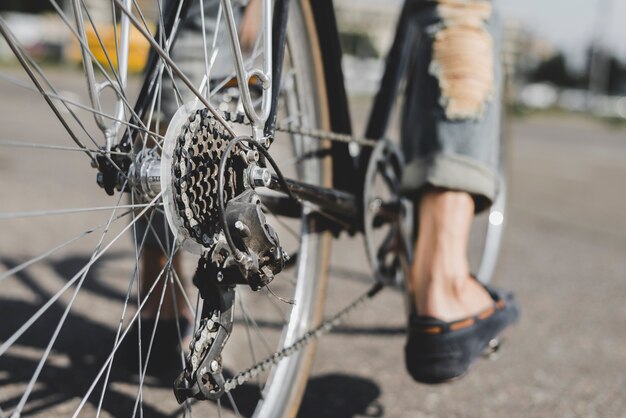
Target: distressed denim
452,111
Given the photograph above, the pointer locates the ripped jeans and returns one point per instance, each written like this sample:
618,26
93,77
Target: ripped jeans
452,110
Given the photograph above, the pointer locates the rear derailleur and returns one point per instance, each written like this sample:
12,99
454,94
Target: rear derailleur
236,244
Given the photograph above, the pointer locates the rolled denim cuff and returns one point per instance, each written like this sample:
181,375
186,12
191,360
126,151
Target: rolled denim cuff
454,172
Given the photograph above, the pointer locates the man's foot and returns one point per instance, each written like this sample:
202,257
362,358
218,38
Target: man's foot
454,316
451,299
438,351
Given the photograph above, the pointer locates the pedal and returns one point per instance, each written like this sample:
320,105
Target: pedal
492,351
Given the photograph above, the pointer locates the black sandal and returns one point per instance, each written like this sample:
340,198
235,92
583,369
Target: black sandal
437,351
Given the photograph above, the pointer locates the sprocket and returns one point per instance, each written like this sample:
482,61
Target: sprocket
194,146
387,216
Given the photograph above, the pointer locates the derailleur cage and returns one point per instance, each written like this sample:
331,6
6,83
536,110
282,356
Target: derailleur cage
203,376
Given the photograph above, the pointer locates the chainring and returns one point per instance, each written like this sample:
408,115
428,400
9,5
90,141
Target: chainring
386,211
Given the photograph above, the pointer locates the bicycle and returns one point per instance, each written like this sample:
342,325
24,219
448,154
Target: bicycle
302,190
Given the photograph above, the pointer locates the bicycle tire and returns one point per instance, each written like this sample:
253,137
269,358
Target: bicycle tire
284,386
490,227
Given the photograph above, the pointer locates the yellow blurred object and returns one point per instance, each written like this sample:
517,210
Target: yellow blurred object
137,51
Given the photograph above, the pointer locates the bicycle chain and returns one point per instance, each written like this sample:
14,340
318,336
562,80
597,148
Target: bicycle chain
241,119
324,328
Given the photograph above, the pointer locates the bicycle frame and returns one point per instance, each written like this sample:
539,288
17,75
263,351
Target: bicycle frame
343,199
109,129
243,76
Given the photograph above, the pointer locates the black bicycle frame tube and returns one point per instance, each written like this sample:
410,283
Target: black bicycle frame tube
345,170
331,200
395,66
344,166
279,39
395,69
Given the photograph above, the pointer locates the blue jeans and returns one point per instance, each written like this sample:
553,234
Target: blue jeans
452,111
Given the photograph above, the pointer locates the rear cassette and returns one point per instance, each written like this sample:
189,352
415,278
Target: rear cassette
194,146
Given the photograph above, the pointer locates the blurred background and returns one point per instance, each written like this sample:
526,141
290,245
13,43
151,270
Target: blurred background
560,57
565,242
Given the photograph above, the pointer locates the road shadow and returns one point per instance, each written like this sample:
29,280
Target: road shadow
331,395
341,396
84,345
78,354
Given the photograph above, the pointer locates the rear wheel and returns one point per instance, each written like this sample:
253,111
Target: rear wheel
71,257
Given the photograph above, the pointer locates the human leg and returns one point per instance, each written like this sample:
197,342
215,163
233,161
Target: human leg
450,136
443,287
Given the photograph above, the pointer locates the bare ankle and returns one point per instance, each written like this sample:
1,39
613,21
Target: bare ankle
433,288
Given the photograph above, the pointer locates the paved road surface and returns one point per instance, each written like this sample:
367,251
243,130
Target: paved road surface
565,256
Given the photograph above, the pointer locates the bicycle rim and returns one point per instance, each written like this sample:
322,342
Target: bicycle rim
71,256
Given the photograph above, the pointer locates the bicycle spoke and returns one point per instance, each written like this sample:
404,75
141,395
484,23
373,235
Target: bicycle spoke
42,75
276,306
257,329
110,358
175,274
66,100
19,144
9,342
175,69
41,363
142,375
250,346
179,333
138,252
64,244
81,106
18,51
233,404
204,44
179,284
34,214
168,281
86,108
219,408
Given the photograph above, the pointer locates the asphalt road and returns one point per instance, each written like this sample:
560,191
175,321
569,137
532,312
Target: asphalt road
564,256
